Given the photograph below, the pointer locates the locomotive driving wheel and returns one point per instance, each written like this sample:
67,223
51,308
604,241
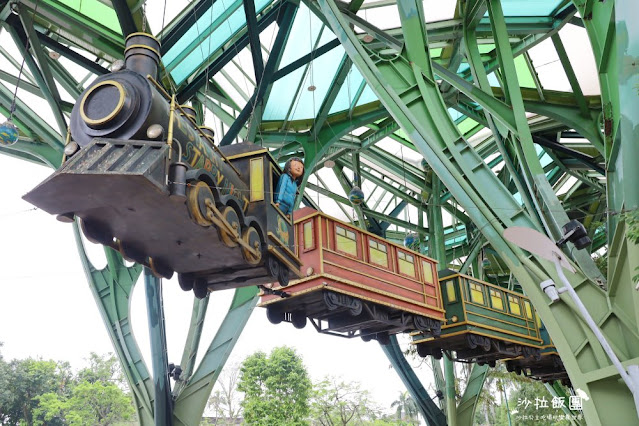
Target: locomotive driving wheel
200,288
95,233
252,238
230,216
196,203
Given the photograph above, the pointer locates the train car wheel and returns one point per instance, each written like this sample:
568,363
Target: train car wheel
196,203
356,307
160,269
510,366
471,341
186,281
437,353
422,323
284,275
365,335
331,300
437,329
273,315
536,354
492,363
252,238
423,350
95,233
298,319
200,288
383,338
273,266
485,345
230,215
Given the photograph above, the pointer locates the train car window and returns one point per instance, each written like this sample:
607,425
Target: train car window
378,252
345,241
496,299
257,179
428,272
539,324
309,236
528,309
513,303
450,291
406,263
476,292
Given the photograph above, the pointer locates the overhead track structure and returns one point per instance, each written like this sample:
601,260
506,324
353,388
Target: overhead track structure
460,118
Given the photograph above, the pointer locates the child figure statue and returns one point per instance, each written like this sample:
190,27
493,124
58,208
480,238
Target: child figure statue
286,189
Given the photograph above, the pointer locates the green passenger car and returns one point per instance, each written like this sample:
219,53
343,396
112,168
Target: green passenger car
484,323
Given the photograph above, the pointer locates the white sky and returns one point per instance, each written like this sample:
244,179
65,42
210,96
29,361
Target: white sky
47,309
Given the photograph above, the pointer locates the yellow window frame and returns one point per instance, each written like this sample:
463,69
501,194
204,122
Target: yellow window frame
406,263
378,252
345,240
257,179
428,272
496,299
528,310
308,231
476,293
514,306
451,296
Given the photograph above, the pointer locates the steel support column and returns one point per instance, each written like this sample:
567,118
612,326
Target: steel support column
162,403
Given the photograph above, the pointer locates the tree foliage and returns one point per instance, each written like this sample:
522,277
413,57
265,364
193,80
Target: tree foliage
39,392
335,402
276,387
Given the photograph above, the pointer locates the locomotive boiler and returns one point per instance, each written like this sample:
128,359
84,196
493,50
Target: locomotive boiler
145,180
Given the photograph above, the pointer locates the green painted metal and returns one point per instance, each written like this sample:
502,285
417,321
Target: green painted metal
162,403
193,338
112,288
433,415
556,390
438,252
468,402
450,156
191,401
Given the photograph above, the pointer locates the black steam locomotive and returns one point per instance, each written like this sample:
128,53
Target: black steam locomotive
144,179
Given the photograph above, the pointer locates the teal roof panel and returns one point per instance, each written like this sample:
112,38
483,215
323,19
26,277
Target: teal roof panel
214,28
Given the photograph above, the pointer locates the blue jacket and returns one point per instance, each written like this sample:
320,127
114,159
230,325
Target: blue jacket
285,193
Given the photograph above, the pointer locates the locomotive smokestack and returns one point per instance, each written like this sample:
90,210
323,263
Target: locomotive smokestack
142,54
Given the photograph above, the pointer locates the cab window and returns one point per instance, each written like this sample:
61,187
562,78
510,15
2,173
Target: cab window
257,179
309,235
476,292
345,241
378,252
406,263
450,291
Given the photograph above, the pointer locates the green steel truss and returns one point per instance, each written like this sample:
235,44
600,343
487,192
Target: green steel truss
487,147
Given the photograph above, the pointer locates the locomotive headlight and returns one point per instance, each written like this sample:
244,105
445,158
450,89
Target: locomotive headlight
71,148
154,131
454,318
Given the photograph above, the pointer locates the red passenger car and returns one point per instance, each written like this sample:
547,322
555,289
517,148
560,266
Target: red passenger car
356,283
